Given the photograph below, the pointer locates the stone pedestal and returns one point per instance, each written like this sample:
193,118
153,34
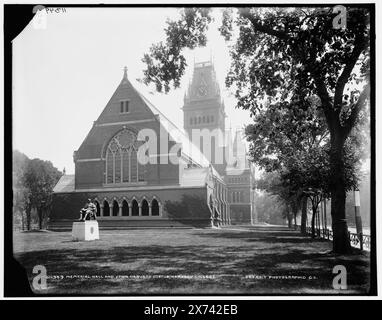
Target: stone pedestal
85,230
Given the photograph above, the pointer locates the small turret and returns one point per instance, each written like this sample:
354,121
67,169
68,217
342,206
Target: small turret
124,79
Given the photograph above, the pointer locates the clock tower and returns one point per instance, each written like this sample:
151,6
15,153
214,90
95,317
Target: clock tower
204,109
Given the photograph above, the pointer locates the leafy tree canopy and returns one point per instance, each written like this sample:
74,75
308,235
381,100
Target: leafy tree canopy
39,178
289,57
33,183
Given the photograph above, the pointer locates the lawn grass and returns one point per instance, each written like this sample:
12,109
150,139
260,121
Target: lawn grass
231,260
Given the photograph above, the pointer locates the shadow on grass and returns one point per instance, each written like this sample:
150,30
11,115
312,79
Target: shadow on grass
269,235
230,266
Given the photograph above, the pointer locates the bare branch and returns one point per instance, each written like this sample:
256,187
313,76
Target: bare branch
363,97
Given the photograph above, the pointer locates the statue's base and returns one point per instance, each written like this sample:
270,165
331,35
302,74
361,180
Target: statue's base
85,230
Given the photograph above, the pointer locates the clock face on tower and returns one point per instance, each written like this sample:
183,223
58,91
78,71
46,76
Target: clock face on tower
202,91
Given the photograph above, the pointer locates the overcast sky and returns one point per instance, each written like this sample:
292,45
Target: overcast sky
65,74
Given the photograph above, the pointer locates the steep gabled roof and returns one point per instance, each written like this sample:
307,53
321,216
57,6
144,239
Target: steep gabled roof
65,184
188,148
125,90
142,109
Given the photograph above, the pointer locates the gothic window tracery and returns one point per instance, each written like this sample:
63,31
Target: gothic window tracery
122,165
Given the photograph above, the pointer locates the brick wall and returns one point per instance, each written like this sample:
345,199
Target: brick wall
192,201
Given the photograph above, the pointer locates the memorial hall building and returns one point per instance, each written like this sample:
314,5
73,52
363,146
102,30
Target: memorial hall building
180,184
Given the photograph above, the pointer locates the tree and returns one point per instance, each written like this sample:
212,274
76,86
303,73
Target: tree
295,205
292,137
272,183
21,205
39,178
304,214
299,55
270,208
285,54
283,137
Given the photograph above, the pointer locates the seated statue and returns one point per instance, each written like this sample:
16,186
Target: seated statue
88,212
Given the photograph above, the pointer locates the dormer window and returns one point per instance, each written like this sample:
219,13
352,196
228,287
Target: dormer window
124,106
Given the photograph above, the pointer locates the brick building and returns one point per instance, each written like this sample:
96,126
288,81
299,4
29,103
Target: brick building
175,186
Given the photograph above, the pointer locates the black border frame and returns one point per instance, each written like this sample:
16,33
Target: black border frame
16,18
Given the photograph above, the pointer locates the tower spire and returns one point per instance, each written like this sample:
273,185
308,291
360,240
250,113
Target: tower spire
125,72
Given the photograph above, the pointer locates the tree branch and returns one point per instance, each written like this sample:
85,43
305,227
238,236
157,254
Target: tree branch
350,122
262,28
323,136
326,103
360,45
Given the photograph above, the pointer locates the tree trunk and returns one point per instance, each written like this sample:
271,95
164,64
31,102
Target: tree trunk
295,219
313,225
341,241
318,223
289,217
28,218
22,220
304,214
40,218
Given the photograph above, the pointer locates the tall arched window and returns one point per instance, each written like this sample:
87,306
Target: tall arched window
125,165
135,208
133,166
98,208
115,208
154,208
125,208
122,164
145,208
106,209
